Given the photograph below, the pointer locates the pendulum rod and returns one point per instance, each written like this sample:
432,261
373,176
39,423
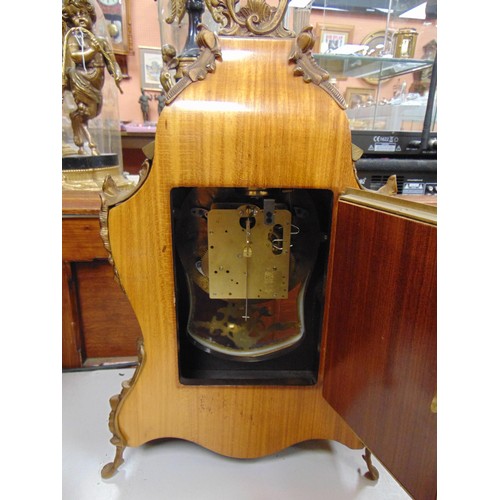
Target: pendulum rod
247,253
247,213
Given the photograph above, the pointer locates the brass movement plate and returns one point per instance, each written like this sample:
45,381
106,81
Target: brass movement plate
252,265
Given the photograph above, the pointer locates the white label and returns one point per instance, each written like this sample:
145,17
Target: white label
385,147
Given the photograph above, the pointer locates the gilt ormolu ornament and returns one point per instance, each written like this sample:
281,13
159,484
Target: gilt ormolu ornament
86,57
190,51
170,62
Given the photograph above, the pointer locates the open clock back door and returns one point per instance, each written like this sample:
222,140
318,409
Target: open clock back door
381,352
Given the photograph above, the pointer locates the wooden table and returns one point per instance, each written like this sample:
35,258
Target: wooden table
93,333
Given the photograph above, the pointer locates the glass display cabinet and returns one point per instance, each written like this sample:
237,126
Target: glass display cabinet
382,55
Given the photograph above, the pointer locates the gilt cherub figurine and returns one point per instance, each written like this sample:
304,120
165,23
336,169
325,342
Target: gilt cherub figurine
85,58
170,62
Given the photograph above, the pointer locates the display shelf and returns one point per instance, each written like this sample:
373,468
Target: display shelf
381,68
406,116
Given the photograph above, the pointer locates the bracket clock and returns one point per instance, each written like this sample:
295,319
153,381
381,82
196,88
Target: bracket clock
278,300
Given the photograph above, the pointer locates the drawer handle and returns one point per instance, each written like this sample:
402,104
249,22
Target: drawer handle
434,404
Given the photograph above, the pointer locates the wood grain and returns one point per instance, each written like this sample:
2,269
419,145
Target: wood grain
252,123
71,338
109,326
81,240
80,203
97,319
381,356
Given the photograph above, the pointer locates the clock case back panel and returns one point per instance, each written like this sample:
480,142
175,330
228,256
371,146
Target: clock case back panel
251,123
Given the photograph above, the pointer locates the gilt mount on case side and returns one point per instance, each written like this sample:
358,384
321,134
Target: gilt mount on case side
111,195
117,439
204,64
308,68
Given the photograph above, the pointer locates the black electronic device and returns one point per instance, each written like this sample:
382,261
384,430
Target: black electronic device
411,156
413,175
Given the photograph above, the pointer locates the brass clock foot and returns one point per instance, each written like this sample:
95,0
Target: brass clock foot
117,439
372,473
109,469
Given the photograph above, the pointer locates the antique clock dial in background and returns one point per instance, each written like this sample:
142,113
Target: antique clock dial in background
116,15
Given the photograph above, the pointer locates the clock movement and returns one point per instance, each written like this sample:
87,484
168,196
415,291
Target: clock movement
233,250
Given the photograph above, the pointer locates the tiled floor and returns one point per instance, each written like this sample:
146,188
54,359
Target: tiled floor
179,470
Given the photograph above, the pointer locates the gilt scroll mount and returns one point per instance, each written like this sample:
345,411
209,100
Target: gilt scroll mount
112,195
204,64
256,18
115,401
308,68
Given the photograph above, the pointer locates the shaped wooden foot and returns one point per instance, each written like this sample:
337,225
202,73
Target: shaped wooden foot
372,473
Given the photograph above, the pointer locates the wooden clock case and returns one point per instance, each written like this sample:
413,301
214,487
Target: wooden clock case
259,114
